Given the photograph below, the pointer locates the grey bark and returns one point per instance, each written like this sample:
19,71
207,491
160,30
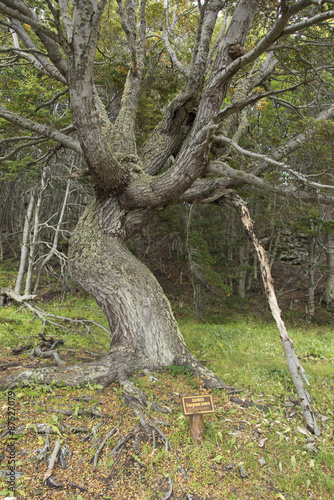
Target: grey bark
295,369
328,296
35,232
329,288
312,245
25,244
54,246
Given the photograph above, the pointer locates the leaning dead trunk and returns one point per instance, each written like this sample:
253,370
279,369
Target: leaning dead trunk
295,369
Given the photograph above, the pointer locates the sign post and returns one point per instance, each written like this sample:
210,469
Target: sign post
195,407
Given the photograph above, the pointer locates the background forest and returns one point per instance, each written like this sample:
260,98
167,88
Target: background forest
199,252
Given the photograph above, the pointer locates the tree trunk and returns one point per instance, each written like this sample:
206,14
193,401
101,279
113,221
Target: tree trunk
25,244
145,334
35,233
296,371
329,289
137,310
312,244
328,296
54,247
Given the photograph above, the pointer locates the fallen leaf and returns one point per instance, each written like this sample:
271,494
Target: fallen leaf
262,442
242,471
302,430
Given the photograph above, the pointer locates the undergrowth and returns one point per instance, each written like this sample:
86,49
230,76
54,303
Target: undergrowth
255,444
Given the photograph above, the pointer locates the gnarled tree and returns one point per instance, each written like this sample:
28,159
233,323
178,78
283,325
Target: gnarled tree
177,162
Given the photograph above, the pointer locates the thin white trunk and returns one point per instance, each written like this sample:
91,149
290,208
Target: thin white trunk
25,245
329,289
35,237
55,239
312,243
295,369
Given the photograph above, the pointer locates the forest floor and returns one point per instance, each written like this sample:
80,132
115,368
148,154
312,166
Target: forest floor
255,444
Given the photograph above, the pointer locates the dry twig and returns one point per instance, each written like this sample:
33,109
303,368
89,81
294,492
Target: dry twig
52,460
96,456
43,452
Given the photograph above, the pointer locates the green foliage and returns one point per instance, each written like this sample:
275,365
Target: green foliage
204,262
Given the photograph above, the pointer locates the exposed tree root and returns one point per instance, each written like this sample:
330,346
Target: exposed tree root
76,486
96,456
92,435
118,365
20,350
48,354
92,412
170,491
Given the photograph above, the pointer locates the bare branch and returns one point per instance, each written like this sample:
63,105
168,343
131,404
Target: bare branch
275,163
30,142
264,44
58,69
53,100
96,456
201,50
178,65
253,99
315,20
43,130
52,460
66,18
18,10
217,42
128,20
16,296
220,168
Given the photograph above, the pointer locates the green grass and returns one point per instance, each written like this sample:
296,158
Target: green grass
244,353
249,353
21,326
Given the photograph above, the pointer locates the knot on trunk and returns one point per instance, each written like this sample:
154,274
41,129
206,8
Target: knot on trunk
236,50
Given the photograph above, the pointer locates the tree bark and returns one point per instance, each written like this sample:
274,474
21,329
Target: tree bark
295,369
312,244
145,334
328,296
25,244
137,310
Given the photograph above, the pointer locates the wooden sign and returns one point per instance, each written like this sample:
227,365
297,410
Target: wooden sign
197,405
